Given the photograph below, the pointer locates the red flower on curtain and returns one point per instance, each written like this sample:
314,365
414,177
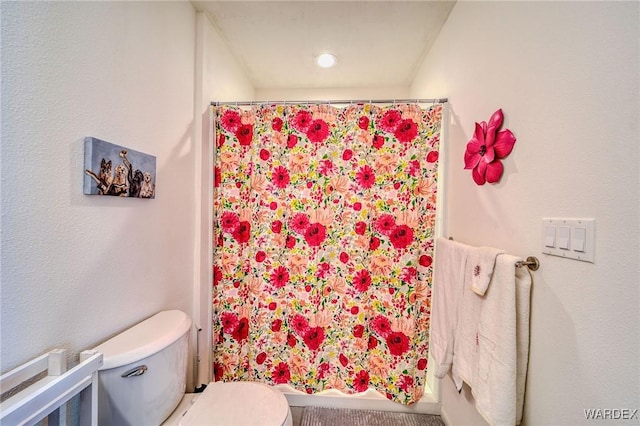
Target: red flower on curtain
401,237
241,330
281,374
314,337
487,147
245,134
242,232
276,124
361,383
406,131
378,141
397,342
315,234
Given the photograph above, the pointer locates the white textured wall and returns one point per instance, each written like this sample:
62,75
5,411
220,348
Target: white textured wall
76,268
566,76
219,77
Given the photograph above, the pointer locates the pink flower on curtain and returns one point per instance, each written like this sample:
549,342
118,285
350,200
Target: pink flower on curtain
279,277
365,177
302,120
229,221
229,322
280,177
299,324
299,223
390,120
231,121
362,280
381,325
318,131
363,122
385,224
487,148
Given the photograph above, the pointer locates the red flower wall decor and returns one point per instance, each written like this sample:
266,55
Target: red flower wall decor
487,148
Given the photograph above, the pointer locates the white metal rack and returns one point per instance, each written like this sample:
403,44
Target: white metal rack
47,397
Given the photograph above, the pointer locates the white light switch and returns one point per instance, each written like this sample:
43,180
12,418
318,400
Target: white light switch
564,233
578,238
550,236
569,238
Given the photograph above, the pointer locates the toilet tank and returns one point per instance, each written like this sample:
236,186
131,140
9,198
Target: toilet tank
144,373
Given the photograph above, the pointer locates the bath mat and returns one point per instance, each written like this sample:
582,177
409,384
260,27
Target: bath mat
319,416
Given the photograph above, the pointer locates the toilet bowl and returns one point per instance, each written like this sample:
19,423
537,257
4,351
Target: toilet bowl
227,403
143,380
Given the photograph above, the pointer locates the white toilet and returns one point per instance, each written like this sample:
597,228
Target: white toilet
143,382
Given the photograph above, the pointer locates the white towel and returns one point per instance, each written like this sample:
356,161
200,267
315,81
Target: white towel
448,274
524,282
482,261
465,347
502,353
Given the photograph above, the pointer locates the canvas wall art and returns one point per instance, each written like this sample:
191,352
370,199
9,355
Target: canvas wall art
118,171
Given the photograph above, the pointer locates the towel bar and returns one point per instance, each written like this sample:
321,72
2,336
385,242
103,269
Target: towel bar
532,262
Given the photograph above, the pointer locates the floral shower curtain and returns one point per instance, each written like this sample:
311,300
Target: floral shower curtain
323,239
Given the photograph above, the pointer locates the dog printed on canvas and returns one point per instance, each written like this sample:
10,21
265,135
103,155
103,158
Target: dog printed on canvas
104,178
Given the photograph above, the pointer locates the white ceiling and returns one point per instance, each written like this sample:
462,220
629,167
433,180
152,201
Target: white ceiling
378,43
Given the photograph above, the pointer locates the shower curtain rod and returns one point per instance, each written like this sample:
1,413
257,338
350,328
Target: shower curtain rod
349,101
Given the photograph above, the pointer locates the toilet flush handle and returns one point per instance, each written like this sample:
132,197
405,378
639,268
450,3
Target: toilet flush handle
136,371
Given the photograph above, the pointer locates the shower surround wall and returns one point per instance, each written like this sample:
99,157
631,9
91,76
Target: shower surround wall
570,94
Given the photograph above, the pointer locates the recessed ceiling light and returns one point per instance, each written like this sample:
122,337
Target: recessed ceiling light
326,60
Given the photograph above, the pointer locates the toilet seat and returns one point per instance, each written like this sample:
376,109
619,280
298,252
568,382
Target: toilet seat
238,403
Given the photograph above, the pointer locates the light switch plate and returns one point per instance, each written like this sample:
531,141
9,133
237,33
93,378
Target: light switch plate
574,238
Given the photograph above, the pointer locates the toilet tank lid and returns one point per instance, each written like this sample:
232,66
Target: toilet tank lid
144,339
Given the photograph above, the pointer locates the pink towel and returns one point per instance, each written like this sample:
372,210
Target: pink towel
448,274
